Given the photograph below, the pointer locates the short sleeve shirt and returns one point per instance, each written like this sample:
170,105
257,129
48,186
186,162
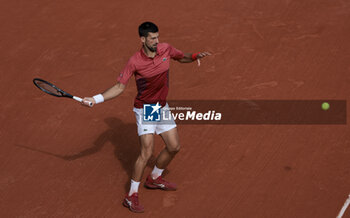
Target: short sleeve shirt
151,74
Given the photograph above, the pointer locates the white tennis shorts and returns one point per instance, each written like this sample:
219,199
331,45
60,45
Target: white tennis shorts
152,127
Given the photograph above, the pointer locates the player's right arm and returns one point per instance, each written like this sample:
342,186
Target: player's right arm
110,93
115,90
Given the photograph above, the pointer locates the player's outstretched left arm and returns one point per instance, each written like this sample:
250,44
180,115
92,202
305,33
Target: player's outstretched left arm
190,57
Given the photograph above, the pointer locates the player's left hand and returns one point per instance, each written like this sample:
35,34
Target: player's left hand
203,54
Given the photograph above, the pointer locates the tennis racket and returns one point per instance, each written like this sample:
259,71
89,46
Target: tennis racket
51,89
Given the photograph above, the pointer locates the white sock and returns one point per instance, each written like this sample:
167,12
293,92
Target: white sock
134,187
156,172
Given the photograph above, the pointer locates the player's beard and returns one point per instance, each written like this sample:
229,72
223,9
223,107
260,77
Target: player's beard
152,49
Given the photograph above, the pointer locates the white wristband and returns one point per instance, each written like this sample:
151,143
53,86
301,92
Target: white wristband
99,98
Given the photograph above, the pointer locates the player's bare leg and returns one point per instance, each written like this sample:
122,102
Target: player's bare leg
131,199
155,181
171,140
147,146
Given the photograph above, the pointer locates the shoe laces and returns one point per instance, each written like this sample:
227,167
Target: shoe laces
135,199
162,180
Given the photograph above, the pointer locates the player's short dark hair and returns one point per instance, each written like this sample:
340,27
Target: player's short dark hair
147,27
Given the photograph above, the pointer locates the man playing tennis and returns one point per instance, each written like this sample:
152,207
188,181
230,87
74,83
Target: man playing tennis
150,66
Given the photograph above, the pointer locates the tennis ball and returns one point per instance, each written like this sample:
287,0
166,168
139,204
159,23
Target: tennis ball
325,106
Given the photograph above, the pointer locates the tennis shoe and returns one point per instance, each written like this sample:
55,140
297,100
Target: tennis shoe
159,183
132,202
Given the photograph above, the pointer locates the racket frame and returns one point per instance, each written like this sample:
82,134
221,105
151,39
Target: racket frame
64,94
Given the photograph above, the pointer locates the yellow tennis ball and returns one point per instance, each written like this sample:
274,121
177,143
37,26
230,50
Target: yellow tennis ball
325,106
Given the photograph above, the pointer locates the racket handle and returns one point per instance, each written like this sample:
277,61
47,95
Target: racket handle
80,100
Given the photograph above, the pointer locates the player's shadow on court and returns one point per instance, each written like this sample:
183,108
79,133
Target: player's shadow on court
123,136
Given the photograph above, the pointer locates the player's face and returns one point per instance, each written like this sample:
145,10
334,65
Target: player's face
151,41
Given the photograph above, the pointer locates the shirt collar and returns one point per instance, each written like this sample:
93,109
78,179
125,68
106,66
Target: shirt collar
143,54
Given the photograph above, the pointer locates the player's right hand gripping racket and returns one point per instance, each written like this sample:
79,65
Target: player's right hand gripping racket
51,89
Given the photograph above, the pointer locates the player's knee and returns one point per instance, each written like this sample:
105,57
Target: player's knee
146,154
174,149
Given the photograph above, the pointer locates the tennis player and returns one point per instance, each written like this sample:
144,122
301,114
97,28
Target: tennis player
150,66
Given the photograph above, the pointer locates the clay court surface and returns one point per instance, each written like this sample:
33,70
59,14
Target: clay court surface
59,159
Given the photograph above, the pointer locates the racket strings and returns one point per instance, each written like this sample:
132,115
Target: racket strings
48,88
